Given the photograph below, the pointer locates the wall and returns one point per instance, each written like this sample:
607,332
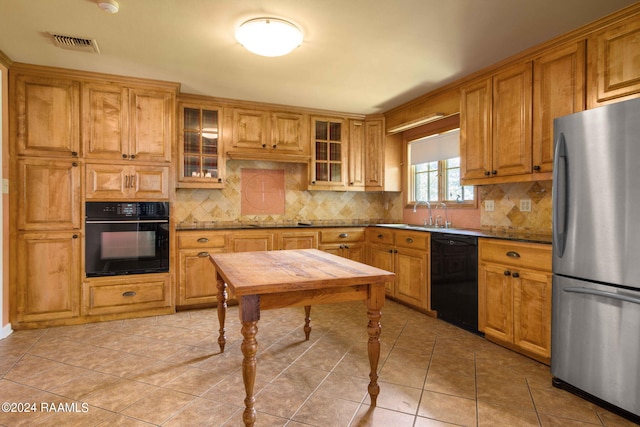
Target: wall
203,205
507,216
5,326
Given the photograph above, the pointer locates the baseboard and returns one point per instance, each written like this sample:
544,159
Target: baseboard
5,331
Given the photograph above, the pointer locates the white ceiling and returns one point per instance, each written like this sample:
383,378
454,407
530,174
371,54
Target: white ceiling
358,56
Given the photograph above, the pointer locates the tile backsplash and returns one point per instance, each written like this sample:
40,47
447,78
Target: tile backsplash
507,215
206,205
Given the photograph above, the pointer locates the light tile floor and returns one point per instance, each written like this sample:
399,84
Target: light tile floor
168,371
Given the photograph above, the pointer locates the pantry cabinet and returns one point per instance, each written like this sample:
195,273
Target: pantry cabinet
514,296
614,62
126,182
130,123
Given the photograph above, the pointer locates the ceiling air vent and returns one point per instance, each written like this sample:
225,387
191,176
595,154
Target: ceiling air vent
75,43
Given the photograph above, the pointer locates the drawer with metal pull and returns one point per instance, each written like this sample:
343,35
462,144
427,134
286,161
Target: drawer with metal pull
413,239
201,239
104,296
518,254
339,235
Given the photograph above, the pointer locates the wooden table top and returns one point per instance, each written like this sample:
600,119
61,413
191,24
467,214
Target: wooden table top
251,273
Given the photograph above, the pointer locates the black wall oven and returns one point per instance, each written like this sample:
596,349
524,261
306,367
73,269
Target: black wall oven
126,238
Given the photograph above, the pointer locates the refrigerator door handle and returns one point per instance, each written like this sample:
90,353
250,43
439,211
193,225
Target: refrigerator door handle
625,298
559,196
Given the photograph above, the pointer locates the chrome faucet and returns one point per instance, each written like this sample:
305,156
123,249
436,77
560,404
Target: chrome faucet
447,224
415,206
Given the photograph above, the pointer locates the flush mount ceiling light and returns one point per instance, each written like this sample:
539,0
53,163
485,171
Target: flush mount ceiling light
269,36
109,6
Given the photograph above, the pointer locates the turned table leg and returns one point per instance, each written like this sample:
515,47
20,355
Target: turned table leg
249,316
222,310
307,321
375,302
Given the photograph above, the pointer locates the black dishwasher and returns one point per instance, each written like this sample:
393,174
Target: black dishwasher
454,279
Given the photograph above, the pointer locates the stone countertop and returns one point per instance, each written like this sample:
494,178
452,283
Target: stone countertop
494,234
230,225
521,236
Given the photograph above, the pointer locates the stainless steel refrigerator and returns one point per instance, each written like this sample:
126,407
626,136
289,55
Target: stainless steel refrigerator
595,345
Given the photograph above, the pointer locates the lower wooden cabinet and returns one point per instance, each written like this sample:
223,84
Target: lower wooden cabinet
47,277
196,274
514,296
344,242
126,294
406,253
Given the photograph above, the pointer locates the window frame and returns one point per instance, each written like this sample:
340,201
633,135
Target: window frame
439,126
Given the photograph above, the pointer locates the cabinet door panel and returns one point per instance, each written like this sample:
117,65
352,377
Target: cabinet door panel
558,90
511,138
106,181
297,240
105,124
47,113
248,242
287,133
498,300
151,115
197,283
475,130
532,312
48,276
411,280
49,194
356,154
151,182
374,154
382,257
614,57
250,129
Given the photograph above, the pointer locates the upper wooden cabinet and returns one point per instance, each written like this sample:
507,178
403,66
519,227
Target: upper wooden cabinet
46,115
125,182
495,125
614,63
122,122
201,159
269,135
366,162
329,153
558,90
356,154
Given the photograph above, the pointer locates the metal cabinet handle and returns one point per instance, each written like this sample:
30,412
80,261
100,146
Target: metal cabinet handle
75,236
536,168
74,153
487,173
124,156
513,254
390,251
494,172
343,235
203,254
133,156
264,145
274,146
516,274
203,240
74,164
132,181
409,240
126,181
507,273
129,294
380,236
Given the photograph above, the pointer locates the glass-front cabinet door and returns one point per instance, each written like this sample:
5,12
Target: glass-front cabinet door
329,153
201,163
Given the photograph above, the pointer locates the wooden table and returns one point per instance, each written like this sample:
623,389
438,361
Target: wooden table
277,279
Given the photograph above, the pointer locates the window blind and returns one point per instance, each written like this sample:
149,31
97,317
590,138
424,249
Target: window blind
435,147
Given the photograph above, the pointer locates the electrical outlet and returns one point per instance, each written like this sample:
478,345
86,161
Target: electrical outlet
488,205
525,205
